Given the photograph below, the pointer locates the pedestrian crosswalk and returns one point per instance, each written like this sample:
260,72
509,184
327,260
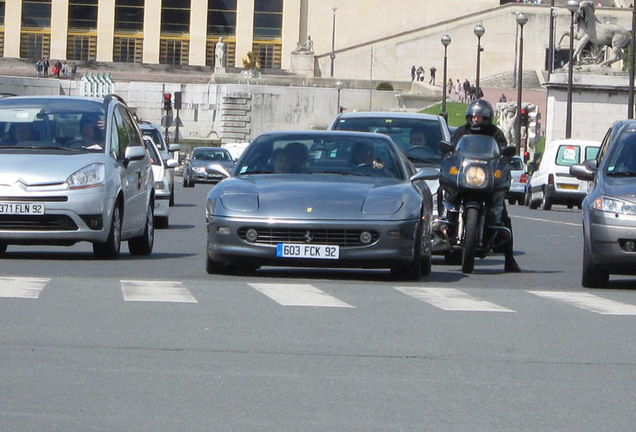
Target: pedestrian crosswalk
308,295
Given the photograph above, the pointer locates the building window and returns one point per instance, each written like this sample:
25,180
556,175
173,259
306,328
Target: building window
268,19
175,16
82,14
81,47
36,13
174,51
129,15
34,45
2,3
128,49
222,17
269,53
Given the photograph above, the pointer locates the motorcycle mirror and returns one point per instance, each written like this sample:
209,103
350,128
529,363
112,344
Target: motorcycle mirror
426,174
446,147
509,151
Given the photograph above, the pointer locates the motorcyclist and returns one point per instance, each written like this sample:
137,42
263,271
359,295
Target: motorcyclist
479,117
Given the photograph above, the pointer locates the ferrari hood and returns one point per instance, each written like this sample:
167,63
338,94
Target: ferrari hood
278,197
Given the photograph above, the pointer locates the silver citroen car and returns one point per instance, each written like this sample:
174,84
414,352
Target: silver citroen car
74,169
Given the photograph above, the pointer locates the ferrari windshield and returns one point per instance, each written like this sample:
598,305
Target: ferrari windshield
36,124
352,154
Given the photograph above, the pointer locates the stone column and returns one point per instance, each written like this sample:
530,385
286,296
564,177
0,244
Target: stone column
152,31
244,29
12,28
59,29
105,30
198,32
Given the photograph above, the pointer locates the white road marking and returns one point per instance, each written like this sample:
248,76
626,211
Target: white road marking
451,299
156,291
547,220
589,302
299,295
22,287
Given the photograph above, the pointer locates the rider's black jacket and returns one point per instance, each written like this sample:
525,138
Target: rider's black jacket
488,130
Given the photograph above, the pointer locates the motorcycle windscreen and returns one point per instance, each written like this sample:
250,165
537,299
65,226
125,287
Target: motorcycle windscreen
477,147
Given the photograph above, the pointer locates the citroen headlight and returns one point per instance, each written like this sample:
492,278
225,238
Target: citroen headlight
88,177
475,176
199,169
613,205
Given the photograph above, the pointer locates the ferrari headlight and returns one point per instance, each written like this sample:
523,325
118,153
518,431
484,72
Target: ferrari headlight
88,177
160,185
475,176
613,205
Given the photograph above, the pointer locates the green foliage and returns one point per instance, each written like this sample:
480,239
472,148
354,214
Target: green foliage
386,86
456,112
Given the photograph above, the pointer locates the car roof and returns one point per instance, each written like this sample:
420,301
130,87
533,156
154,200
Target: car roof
389,114
325,134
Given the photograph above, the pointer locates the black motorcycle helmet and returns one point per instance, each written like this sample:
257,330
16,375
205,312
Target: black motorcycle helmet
479,107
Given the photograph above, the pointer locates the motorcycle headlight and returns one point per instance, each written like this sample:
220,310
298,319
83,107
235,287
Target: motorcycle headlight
613,205
88,177
475,176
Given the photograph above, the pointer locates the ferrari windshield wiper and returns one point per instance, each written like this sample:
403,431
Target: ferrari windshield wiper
622,173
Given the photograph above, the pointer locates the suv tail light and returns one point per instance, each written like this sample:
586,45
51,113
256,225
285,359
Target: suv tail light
524,178
551,179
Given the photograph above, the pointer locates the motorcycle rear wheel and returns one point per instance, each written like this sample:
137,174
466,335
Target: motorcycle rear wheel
470,240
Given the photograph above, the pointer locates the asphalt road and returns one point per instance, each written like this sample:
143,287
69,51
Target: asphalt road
156,344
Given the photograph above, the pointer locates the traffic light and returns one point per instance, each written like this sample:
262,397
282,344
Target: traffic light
177,100
167,101
524,117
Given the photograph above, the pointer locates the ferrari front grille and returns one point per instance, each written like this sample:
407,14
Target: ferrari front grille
336,237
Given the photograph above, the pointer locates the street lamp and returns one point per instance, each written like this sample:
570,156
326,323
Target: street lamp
551,39
522,19
339,85
446,40
479,32
332,56
573,6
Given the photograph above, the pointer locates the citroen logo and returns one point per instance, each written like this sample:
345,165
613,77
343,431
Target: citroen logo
308,237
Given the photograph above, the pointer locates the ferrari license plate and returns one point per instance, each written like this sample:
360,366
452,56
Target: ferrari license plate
21,208
285,250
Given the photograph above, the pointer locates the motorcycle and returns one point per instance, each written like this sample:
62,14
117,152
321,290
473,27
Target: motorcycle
473,176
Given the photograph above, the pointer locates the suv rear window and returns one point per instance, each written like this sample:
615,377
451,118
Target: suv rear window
400,131
568,155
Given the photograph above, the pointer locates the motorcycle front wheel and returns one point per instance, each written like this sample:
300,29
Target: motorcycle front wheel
470,240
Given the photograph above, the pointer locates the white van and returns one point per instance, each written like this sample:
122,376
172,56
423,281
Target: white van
552,183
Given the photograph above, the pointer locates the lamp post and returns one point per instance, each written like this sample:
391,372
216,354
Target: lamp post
446,40
332,56
522,19
573,6
479,32
551,39
339,85
630,101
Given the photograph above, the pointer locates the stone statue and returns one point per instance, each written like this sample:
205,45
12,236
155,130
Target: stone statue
305,48
599,34
219,54
506,118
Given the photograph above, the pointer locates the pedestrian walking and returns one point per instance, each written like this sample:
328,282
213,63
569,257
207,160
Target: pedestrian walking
466,90
413,73
420,73
45,65
432,80
38,68
64,69
73,71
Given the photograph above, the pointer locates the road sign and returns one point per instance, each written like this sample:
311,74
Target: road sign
166,121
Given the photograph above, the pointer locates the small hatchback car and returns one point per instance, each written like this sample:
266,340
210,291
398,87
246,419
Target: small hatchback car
74,169
609,210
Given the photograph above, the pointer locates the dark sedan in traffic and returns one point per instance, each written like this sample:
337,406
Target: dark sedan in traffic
321,199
